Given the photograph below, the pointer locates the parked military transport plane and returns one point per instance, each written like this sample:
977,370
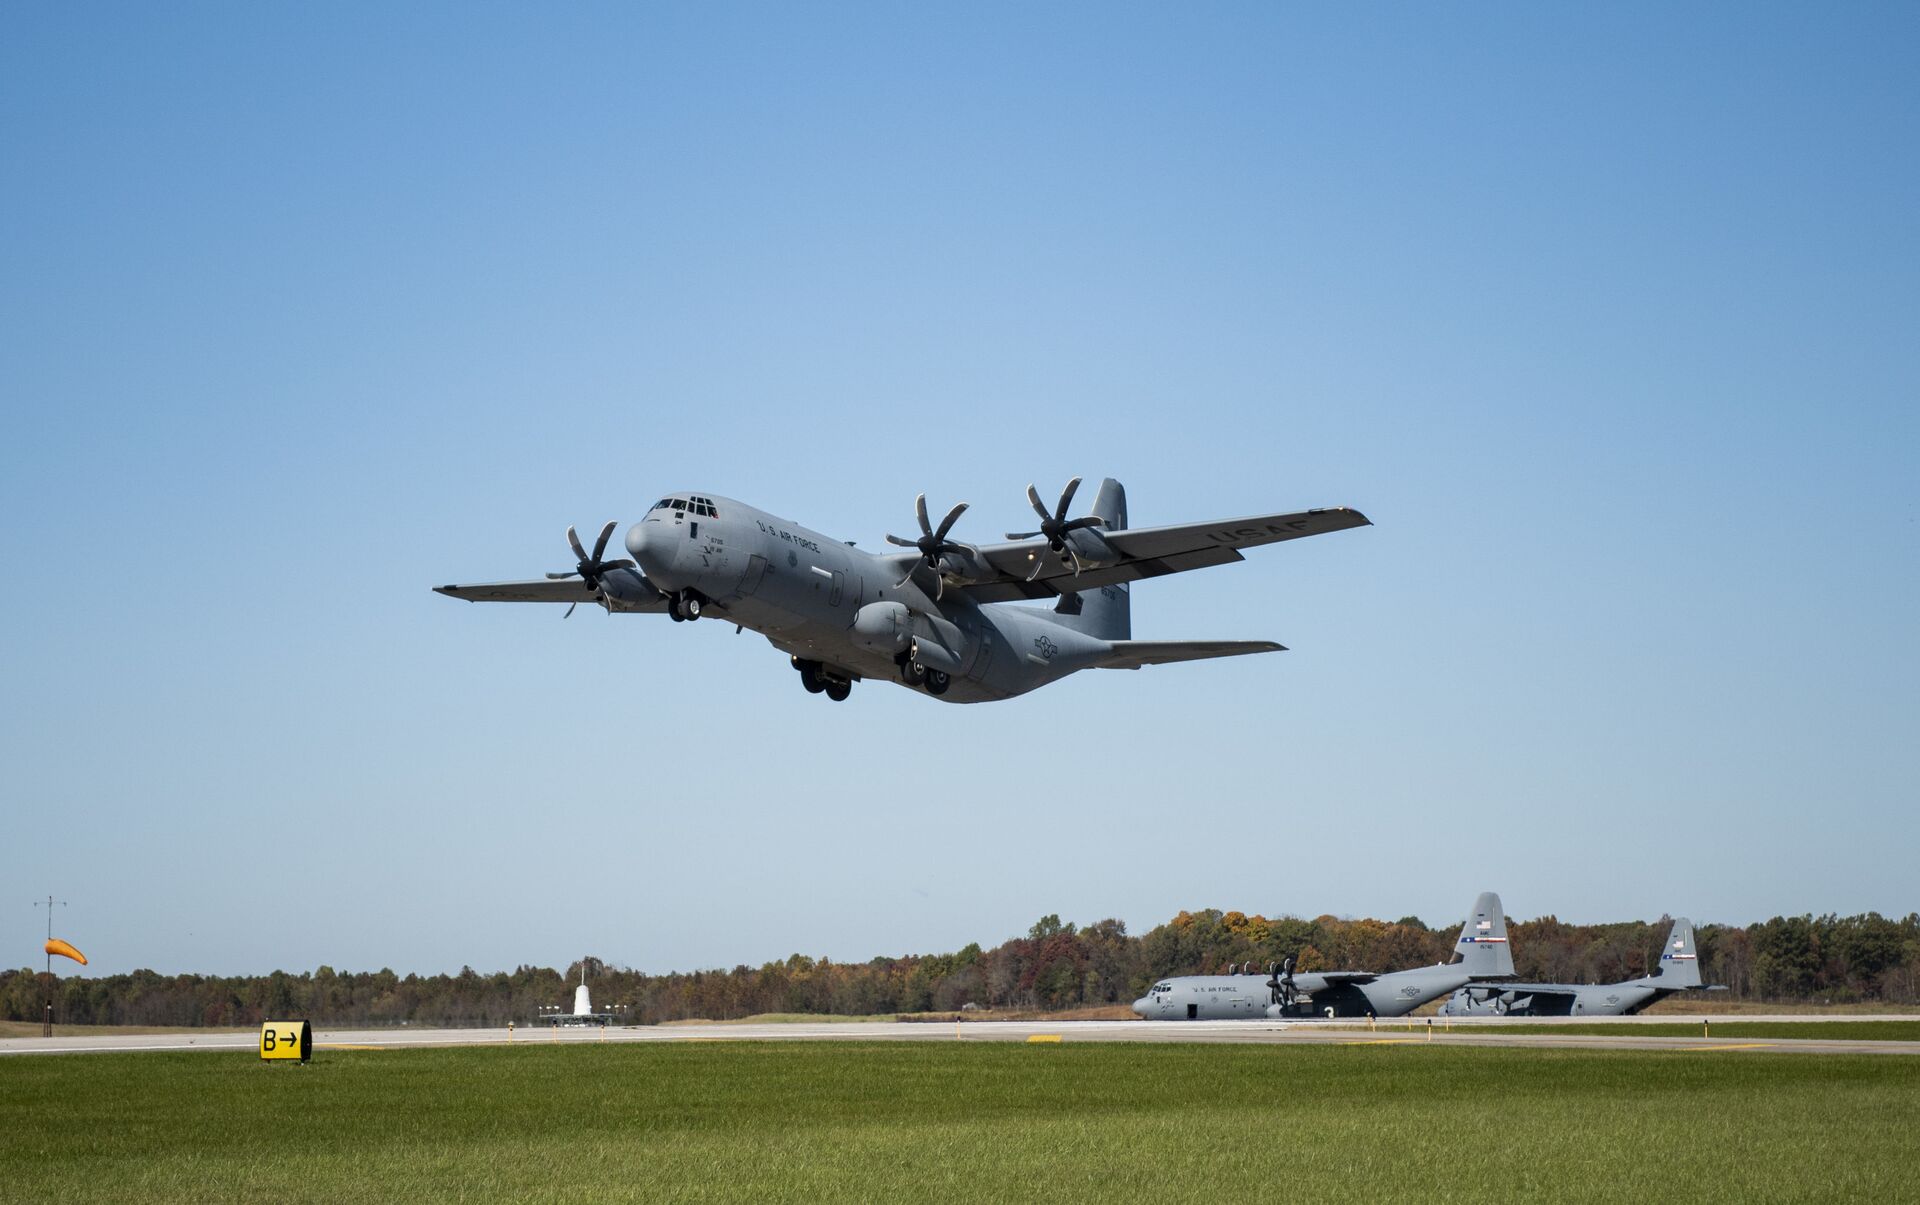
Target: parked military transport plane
923,617
1481,953
1679,971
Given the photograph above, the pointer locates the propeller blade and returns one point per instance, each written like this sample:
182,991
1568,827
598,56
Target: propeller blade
1039,507
1075,558
622,563
1066,500
1039,563
920,508
946,524
561,577
1022,535
1086,521
901,584
573,538
893,539
606,533
569,614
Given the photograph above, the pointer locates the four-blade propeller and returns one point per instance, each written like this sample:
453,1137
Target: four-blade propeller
1055,526
933,543
590,569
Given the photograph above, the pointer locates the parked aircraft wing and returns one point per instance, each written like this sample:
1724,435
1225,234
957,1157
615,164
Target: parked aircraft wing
1556,991
1132,654
1147,552
1332,978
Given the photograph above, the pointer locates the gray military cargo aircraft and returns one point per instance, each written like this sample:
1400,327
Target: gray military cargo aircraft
922,618
1481,953
1679,971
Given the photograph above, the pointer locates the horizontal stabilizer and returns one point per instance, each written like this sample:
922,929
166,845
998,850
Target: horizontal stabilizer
1132,654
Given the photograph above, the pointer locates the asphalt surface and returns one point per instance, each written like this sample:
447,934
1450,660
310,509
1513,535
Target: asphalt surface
1473,1032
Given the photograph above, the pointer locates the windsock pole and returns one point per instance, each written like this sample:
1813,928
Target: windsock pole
46,1030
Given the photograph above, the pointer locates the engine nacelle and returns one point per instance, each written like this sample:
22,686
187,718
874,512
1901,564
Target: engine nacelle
1092,547
883,627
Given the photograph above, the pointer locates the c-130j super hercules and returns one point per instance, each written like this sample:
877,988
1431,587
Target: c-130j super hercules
922,618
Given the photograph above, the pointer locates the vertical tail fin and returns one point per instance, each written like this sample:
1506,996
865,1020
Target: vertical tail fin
1107,612
1482,949
1680,961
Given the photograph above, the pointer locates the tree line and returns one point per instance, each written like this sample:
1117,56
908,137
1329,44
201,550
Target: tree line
1055,966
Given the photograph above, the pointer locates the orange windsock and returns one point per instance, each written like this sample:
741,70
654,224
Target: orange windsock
56,946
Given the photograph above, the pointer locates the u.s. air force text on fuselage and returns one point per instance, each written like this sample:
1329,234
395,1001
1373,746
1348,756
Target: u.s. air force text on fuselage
923,617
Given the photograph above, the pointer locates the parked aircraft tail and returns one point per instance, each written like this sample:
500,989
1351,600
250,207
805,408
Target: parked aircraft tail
1679,961
1482,949
1106,612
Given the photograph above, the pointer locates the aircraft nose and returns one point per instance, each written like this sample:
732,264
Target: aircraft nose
1140,1005
651,548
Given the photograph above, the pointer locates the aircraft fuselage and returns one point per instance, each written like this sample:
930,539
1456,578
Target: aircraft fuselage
805,592
1240,997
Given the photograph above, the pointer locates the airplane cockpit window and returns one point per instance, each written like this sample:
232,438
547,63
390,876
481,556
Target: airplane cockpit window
702,507
1162,987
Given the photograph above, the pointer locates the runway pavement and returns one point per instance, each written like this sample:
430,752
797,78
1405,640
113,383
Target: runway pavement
1471,1032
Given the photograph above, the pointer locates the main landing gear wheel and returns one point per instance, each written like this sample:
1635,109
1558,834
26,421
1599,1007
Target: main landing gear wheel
938,681
838,691
810,676
910,671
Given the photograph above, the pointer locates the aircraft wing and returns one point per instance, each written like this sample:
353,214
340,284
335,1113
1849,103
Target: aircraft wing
1332,979
1552,990
629,591
567,590
1146,552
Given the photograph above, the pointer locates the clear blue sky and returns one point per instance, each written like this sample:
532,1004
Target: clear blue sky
1608,318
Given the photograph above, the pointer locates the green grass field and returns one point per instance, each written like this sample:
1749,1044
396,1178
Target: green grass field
1830,1031
960,1121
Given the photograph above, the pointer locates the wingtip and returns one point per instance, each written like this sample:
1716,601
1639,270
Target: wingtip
1342,510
